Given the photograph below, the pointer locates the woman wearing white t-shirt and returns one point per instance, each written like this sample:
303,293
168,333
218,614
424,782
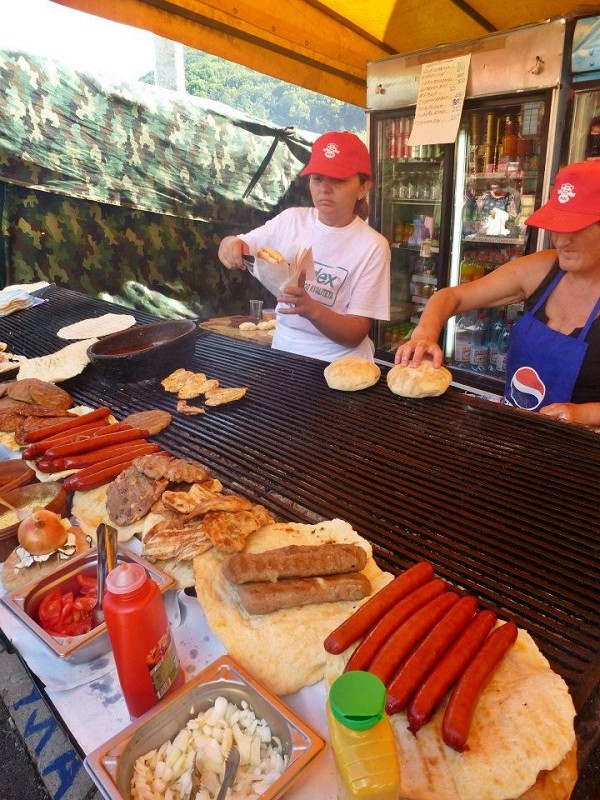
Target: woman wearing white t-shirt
331,316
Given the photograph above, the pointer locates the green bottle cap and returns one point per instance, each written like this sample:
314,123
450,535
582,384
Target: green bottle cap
357,700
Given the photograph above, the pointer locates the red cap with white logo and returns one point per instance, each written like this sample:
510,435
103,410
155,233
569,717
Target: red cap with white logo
338,154
574,203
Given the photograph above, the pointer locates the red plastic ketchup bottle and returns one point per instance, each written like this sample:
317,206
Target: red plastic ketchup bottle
147,661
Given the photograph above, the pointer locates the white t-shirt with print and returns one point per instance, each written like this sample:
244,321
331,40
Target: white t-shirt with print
352,276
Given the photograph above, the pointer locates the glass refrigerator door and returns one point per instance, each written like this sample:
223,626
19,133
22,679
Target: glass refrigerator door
408,205
496,188
584,142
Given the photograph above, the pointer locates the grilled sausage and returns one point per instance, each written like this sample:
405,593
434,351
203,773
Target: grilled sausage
426,655
371,612
382,630
465,695
104,472
83,432
96,442
264,597
404,638
294,562
447,671
76,422
87,459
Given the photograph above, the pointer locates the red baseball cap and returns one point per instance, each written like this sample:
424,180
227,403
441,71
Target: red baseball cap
338,154
575,199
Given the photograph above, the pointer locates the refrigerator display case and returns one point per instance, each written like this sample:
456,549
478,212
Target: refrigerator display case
583,136
454,212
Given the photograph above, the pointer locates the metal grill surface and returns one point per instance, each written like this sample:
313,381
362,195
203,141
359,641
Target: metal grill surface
504,503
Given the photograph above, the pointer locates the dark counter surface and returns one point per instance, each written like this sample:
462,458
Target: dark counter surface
504,503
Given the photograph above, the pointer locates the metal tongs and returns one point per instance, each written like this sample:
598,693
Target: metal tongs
248,262
106,540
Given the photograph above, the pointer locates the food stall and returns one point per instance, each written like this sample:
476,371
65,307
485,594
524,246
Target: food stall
502,502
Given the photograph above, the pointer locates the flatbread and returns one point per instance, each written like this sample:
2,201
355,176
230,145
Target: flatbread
59,366
422,381
351,374
523,726
89,510
97,326
284,649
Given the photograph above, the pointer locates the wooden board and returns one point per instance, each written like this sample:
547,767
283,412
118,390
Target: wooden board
223,325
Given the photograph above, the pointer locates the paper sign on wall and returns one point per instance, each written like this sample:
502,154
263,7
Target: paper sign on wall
440,101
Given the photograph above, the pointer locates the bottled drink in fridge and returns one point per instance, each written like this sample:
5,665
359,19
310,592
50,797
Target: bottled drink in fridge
593,141
462,340
496,334
503,347
479,343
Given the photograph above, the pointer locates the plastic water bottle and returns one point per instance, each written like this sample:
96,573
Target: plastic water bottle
503,347
362,738
137,624
479,343
496,332
462,340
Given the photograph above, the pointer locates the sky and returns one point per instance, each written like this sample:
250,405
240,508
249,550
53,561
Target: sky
80,40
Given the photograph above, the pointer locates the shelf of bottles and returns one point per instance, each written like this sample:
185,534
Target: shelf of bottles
410,191
501,179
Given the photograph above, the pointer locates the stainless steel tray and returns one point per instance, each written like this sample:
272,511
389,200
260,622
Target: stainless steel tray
25,601
111,765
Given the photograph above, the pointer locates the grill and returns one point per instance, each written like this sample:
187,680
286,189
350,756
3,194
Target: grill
504,503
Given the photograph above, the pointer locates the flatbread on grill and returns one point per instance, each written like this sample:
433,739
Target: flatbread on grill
284,649
422,381
59,366
97,326
521,743
351,374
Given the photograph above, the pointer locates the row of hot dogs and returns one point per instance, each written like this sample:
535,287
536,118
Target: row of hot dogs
422,640
98,450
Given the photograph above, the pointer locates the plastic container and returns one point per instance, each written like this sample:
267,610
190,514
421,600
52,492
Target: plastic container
362,738
147,661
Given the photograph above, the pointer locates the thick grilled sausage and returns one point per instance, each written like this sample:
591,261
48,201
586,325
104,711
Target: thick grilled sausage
104,472
96,442
447,671
265,597
465,695
382,630
84,432
405,637
295,561
426,655
52,430
371,612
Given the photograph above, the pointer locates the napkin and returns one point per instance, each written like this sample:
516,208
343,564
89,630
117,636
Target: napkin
275,277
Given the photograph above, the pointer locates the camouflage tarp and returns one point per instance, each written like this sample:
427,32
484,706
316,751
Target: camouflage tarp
124,191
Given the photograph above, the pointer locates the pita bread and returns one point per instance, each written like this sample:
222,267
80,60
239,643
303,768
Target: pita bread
89,509
351,374
422,381
97,326
284,649
522,728
59,366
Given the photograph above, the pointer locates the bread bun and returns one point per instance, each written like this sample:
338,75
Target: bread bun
351,373
41,532
422,381
13,577
271,255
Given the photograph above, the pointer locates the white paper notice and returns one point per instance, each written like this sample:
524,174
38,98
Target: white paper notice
439,104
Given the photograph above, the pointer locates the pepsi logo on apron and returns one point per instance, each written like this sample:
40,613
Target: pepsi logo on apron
542,365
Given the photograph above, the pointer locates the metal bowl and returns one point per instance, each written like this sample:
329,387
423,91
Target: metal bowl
25,601
145,351
111,765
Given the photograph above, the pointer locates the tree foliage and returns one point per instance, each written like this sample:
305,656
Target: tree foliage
267,98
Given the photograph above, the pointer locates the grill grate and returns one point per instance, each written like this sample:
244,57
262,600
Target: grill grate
504,503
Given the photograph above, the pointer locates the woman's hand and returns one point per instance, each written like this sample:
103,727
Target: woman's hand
297,299
231,251
416,349
581,413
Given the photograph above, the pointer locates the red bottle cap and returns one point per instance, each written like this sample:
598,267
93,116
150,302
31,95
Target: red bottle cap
125,578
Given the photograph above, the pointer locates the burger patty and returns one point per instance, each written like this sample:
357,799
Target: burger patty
131,495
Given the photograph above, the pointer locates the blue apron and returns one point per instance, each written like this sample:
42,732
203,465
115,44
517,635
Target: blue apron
542,365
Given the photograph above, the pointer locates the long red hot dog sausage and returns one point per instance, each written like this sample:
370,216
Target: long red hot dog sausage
87,459
96,475
95,443
447,671
459,712
52,430
83,432
405,637
370,612
382,630
426,655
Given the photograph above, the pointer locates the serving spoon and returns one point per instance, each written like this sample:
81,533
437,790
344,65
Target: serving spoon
106,539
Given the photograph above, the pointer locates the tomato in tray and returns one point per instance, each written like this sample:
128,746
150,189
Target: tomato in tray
69,613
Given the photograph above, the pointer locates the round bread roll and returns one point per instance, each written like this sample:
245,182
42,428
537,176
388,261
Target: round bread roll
271,255
351,373
422,381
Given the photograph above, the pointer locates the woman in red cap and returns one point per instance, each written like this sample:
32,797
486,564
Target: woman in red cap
553,360
331,316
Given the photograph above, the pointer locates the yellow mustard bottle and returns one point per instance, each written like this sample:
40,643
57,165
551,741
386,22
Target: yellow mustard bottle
362,738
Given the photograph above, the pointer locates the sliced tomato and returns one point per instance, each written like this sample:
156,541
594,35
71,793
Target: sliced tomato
88,584
77,628
85,602
49,610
